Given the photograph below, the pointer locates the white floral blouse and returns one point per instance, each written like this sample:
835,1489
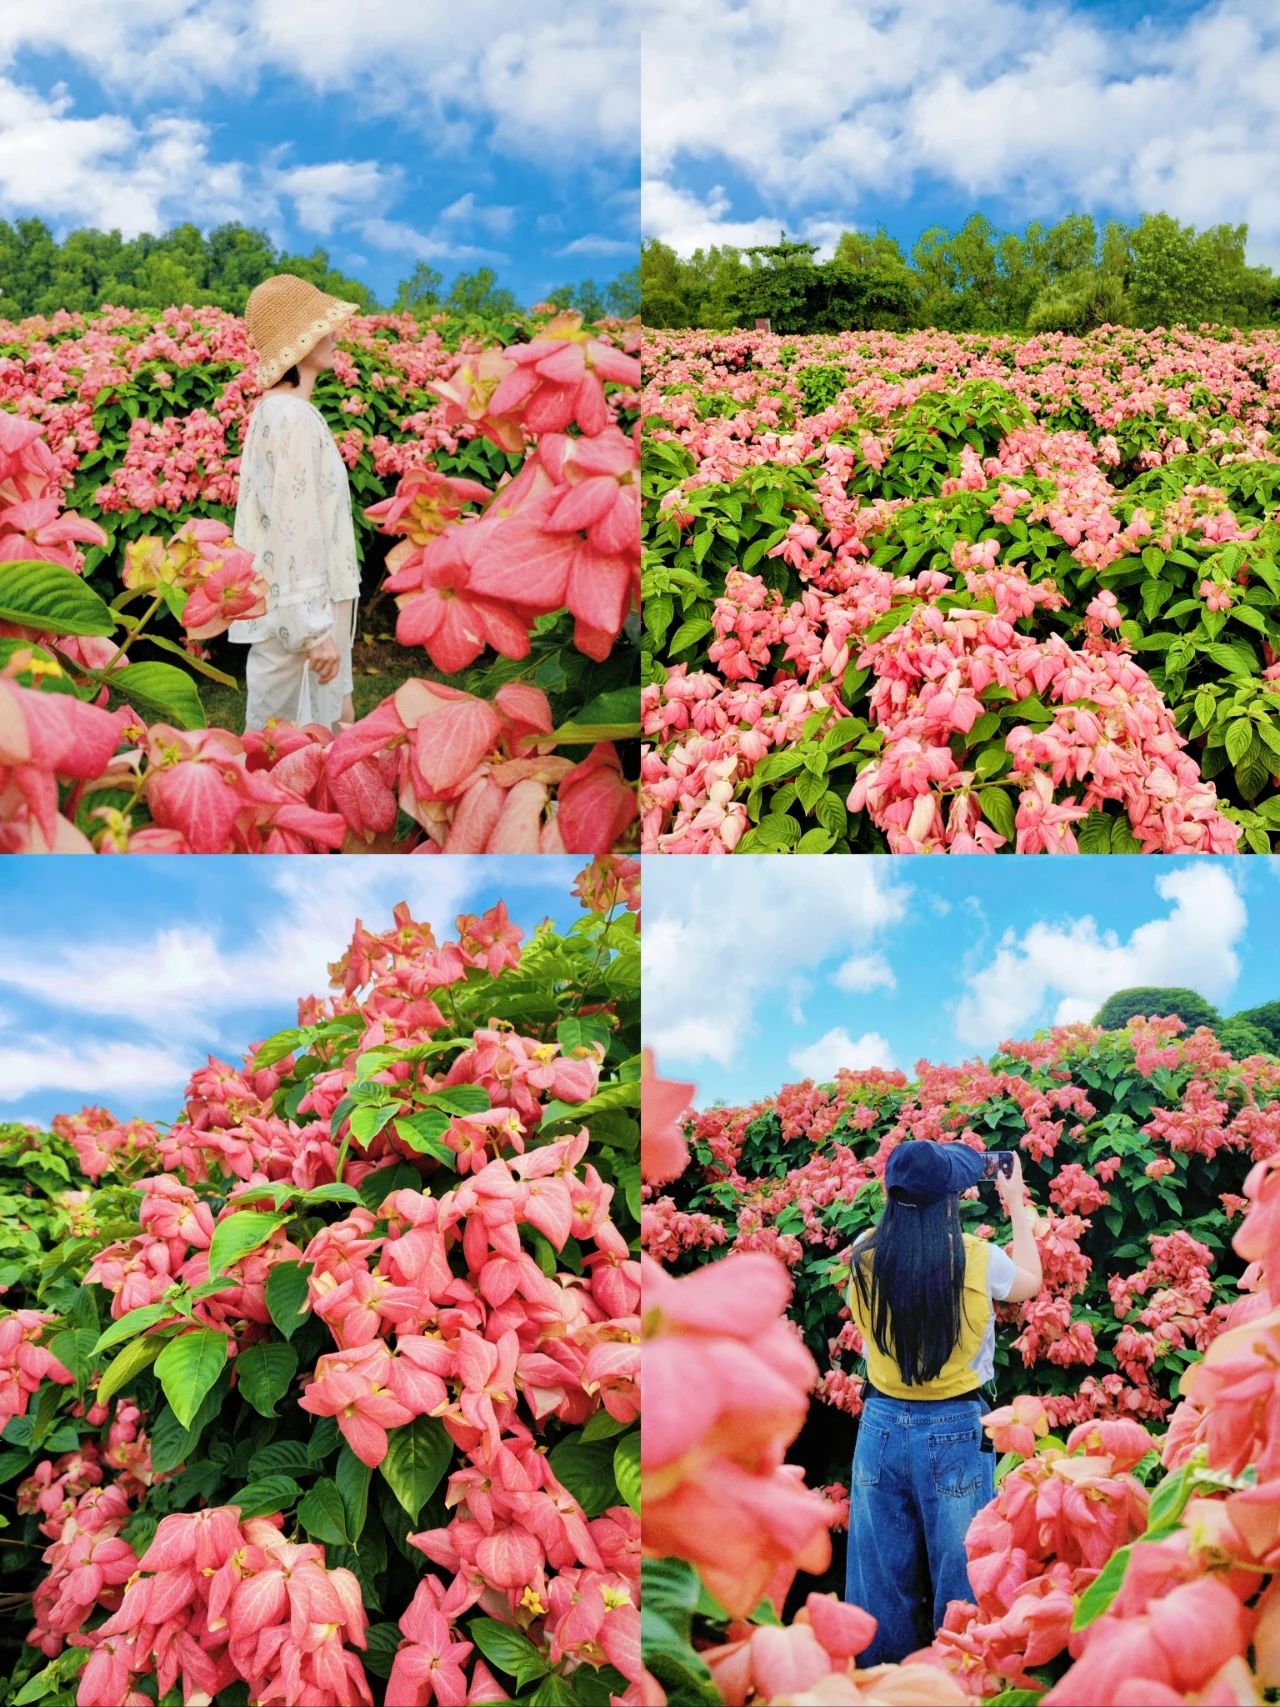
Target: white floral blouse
294,514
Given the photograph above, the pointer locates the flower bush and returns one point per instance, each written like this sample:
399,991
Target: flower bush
969,594
511,543
1114,1566
329,1390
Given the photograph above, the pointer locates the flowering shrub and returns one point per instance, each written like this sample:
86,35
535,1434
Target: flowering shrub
330,1390
1113,1566
516,586
987,594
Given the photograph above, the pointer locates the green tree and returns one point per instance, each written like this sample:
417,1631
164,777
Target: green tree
1117,1010
317,270
1243,1039
1266,1020
480,293
421,293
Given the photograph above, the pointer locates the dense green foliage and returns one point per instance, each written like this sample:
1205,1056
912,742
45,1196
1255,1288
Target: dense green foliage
1116,1012
1068,277
88,268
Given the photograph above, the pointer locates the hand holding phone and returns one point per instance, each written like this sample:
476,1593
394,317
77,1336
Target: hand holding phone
1008,1179
997,1163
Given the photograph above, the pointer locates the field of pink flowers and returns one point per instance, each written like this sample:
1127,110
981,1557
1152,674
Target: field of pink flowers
328,1391
930,592
1129,1558
496,500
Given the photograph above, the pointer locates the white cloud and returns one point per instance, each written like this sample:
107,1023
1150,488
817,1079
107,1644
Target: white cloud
597,245
184,980
433,245
1192,944
43,1063
551,85
331,190
467,211
821,1060
1051,108
725,938
864,972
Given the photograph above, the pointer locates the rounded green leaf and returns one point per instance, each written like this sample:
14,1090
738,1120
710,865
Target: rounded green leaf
125,1365
236,1235
626,1469
53,599
263,1374
160,687
264,1498
188,1366
417,1458
287,1294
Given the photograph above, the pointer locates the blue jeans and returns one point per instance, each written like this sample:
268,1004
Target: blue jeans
919,1476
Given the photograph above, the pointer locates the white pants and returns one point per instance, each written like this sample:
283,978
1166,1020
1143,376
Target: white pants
279,683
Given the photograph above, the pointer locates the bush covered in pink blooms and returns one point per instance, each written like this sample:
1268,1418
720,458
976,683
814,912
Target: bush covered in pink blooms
508,508
328,1391
1130,1555
930,592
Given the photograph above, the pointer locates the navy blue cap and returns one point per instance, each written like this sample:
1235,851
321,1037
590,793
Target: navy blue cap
921,1171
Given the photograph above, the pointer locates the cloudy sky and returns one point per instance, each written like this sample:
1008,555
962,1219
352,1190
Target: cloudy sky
462,135
119,977
825,114
760,972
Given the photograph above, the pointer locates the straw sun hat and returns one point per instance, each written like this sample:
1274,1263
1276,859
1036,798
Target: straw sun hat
285,317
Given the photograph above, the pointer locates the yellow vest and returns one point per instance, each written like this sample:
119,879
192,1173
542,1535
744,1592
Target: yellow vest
957,1374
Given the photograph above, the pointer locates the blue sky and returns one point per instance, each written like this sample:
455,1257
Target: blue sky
387,133
830,114
119,977
761,972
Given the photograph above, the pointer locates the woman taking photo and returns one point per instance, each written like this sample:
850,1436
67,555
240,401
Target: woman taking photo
922,1293
294,514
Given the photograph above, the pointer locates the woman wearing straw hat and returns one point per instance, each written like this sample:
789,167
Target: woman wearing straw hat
294,514
922,1293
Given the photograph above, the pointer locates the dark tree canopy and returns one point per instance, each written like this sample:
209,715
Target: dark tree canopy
187,266
1151,1000
1067,277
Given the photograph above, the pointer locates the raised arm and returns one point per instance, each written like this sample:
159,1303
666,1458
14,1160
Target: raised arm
1022,1248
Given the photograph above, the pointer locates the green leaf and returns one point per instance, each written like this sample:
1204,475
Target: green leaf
133,1322
280,1458
672,1660
382,1645
263,1373
460,1099
1102,1590
286,1294
369,1119
161,687
1239,739
1236,657
278,1047
53,599
612,716
236,1235
574,1033
626,1469
998,810
264,1498
352,1478
125,1365
1093,834
586,1469
510,1650
323,1515
417,1458
621,1094
188,1366
376,1188
424,1133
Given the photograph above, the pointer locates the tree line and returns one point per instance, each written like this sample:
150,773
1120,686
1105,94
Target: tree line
1067,277
1252,1031
89,268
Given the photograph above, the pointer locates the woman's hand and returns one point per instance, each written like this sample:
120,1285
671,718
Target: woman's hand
1009,1188
323,659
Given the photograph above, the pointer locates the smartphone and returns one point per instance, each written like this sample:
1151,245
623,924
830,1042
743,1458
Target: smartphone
997,1162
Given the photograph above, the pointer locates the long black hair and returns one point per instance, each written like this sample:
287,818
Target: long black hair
910,1277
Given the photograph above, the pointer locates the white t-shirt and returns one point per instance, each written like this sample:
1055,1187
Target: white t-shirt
1001,1274
294,514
